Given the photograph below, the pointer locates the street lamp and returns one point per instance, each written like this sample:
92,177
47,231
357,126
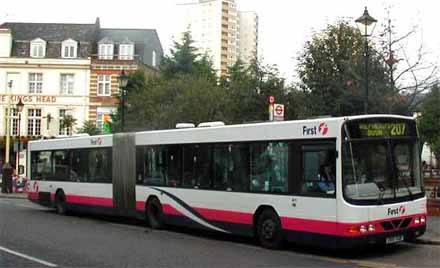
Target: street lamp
7,168
366,25
19,107
123,80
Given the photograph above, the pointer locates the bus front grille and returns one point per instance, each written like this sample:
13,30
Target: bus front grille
395,224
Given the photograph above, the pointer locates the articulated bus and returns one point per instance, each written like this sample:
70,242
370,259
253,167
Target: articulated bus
337,182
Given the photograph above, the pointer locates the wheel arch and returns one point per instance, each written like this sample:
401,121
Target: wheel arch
257,213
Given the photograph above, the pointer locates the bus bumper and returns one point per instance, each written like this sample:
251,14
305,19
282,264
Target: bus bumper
409,234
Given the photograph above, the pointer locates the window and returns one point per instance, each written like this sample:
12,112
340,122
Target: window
231,167
126,51
189,166
62,114
105,51
159,165
318,170
100,170
14,121
34,122
69,48
103,118
151,165
38,48
35,83
79,165
41,166
60,163
154,60
67,83
104,85
269,167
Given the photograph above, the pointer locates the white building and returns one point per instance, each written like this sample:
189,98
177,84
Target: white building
216,28
47,67
248,36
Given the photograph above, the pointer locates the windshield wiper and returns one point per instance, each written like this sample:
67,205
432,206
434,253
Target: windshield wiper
381,194
407,187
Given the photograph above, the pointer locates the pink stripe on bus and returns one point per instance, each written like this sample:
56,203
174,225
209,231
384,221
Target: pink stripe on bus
224,215
140,205
90,200
33,195
168,209
306,225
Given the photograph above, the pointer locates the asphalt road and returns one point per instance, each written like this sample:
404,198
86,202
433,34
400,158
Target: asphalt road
32,236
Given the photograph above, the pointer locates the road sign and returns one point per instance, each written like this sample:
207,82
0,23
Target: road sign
271,99
279,109
278,112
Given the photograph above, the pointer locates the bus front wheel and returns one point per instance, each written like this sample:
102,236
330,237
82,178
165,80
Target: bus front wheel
269,230
155,213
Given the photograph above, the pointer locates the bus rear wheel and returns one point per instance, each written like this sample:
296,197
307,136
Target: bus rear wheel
155,213
60,203
269,230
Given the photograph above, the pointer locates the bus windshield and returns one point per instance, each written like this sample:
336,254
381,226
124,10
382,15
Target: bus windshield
384,168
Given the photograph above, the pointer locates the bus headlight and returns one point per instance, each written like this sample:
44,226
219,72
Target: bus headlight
371,228
416,221
422,220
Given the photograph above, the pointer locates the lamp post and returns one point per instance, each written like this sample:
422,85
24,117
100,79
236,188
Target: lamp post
366,25
19,107
123,80
7,168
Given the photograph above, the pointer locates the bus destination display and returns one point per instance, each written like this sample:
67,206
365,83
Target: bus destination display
382,129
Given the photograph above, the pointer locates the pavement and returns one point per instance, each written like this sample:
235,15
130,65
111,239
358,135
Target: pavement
432,235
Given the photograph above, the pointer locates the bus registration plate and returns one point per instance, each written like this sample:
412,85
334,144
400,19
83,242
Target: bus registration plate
394,239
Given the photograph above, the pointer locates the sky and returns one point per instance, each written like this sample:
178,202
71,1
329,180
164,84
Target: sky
284,25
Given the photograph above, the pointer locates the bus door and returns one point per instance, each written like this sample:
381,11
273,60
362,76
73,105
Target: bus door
124,174
315,185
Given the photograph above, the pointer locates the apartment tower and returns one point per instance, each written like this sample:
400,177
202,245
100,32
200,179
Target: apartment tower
217,29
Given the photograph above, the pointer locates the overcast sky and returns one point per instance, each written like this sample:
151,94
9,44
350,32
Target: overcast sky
284,25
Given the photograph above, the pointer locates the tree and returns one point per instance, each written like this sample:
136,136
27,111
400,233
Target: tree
90,128
184,59
68,122
429,121
331,71
248,89
409,73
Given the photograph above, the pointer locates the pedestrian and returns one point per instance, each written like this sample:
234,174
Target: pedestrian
7,178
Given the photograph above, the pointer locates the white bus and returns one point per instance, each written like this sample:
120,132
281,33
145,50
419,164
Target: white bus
337,182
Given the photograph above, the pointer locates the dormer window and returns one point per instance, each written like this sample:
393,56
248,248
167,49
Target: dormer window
105,49
69,48
126,50
38,48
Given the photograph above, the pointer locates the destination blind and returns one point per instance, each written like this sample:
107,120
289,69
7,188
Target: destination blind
378,128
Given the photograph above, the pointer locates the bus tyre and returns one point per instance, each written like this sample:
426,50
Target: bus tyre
60,203
269,230
155,214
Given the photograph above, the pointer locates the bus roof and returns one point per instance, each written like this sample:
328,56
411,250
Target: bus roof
317,128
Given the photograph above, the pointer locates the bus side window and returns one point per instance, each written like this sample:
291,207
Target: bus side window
173,165
79,163
318,170
220,167
239,167
189,166
204,166
269,167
